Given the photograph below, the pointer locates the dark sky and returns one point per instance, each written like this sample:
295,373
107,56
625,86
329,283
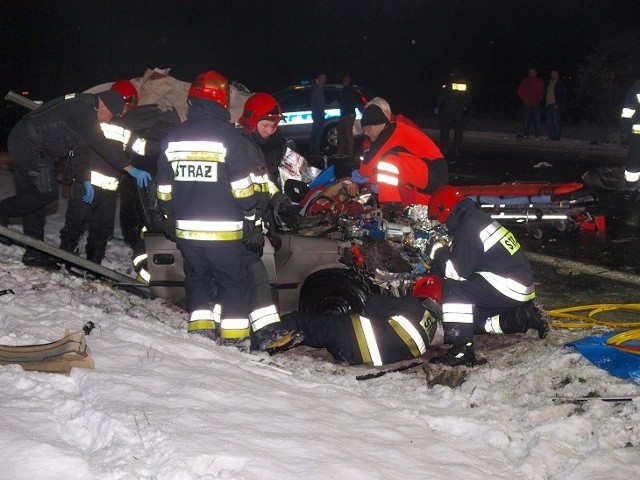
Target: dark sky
401,49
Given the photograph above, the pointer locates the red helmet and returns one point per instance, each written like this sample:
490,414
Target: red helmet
442,202
429,286
260,106
129,94
211,86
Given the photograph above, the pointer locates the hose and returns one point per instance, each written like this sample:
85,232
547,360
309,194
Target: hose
589,321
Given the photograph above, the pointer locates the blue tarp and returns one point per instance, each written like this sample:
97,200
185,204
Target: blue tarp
617,362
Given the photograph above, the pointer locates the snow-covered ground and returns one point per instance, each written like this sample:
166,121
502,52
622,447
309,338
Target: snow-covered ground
164,405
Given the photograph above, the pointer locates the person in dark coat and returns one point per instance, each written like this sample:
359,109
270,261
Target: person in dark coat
58,129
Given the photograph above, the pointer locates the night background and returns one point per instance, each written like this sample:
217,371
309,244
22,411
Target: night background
401,50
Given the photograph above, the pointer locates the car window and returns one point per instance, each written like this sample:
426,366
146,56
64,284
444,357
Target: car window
295,100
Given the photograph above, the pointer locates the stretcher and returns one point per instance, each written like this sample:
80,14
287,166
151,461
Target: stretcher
538,205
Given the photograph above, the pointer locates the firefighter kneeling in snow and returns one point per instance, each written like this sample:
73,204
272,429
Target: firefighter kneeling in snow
391,329
486,276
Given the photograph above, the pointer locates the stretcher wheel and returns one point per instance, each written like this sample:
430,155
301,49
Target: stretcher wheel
535,232
567,225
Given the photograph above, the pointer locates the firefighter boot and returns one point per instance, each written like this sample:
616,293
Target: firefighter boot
210,333
95,253
286,342
36,258
270,336
458,354
530,317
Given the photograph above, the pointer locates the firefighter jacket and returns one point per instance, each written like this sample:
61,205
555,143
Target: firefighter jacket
392,329
68,124
406,165
264,188
204,177
482,246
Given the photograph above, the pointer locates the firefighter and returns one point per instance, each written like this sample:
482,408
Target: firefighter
52,131
391,329
259,121
403,162
631,124
207,197
94,184
451,106
486,274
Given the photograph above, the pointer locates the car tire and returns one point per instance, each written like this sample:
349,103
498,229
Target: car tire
333,293
330,138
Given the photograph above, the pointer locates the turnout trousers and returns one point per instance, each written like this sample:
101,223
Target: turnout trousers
468,305
209,268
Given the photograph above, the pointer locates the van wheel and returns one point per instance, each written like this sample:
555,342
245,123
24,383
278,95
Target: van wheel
333,294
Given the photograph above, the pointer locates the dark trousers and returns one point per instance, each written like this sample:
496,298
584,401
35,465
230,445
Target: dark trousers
633,160
552,117
315,141
326,330
209,268
345,135
531,115
485,300
131,221
98,216
32,197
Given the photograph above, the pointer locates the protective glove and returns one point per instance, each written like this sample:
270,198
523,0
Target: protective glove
90,193
142,176
252,236
284,213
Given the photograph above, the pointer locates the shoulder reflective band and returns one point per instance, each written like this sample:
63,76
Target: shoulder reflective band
461,87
